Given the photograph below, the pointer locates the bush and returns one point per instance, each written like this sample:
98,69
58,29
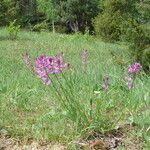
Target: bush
40,27
107,26
140,38
60,28
110,24
126,20
8,11
13,30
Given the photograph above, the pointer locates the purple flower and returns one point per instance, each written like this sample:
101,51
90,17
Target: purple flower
46,65
130,82
60,58
26,58
40,72
27,61
41,62
134,68
129,79
46,80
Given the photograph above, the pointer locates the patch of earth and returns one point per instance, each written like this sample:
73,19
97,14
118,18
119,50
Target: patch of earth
7,143
120,138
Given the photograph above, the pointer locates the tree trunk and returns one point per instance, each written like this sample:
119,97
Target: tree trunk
74,26
53,25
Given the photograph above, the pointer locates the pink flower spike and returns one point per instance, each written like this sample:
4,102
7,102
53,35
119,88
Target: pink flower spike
128,79
85,57
27,61
134,68
26,58
41,73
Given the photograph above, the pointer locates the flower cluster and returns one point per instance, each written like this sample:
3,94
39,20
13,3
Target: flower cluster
46,65
134,68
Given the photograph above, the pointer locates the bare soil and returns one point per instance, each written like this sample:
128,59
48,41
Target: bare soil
121,138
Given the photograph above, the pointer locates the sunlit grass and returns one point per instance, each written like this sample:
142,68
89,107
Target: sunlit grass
28,108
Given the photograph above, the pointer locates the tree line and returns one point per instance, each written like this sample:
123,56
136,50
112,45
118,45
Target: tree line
73,15
76,15
111,20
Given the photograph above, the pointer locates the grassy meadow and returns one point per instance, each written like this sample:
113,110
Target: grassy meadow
31,110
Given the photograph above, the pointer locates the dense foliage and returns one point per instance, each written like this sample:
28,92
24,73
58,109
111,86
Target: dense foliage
115,18
126,20
8,11
77,14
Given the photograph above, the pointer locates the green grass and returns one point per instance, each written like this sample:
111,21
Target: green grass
29,109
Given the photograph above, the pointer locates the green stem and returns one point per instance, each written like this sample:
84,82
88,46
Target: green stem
72,102
67,98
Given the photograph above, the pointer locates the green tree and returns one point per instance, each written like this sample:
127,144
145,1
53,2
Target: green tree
77,14
8,11
47,7
116,16
27,11
127,20
24,11
143,8
140,34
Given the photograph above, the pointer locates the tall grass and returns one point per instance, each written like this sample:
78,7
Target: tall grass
28,108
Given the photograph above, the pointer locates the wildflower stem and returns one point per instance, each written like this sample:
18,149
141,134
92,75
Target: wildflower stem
68,98
58,94
70,87
74,105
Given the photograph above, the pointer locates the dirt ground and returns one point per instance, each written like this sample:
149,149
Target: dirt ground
12,144
120,139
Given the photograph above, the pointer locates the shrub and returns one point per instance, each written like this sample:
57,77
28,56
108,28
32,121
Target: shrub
140,47
60,28
8,11
13,30
126,20
107,26
40,27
